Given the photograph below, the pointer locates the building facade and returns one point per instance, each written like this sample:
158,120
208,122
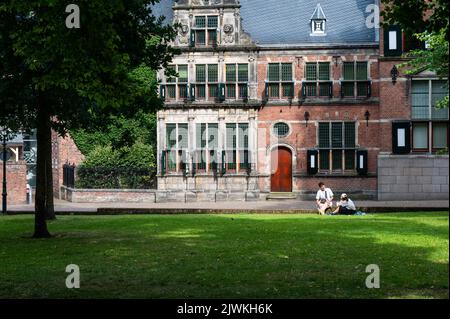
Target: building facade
272,98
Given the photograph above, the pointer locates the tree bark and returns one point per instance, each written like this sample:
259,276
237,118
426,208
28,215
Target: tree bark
41,203
50,210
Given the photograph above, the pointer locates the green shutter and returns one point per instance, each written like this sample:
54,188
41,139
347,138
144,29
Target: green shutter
223,169
162,92
192,39
221,93
163,162
192,92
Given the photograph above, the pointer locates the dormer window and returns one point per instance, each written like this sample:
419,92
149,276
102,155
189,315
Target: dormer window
318,22
319,26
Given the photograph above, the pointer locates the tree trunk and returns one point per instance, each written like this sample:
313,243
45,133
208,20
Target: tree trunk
41,207
50,210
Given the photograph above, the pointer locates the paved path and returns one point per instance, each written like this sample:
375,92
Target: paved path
264,206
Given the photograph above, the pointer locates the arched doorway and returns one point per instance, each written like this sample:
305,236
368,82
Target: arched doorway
281,170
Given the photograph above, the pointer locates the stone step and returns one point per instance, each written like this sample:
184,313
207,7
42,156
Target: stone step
282,196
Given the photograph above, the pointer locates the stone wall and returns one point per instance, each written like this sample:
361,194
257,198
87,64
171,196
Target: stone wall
107,195
413,177
16,181
153,196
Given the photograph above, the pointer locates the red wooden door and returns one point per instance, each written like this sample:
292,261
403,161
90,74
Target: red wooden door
281,178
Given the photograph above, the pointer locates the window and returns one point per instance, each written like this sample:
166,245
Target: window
420,136
355,80
281,130
236,81
318,26
337,146
206,30
177,141
207,141
177,86
237,147
318,21
317,82
440,136
424,96
429,122
207,86
280,81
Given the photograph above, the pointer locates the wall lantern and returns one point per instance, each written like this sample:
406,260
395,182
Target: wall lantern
307,116
367,116
394,74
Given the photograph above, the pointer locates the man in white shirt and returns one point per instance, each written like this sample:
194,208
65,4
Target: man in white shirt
324,198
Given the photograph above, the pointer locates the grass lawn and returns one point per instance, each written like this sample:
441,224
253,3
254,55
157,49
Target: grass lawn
227,256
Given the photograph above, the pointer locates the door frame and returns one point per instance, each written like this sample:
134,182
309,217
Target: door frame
293,160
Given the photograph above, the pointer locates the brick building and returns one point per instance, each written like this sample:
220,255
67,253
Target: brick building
274,97
21,165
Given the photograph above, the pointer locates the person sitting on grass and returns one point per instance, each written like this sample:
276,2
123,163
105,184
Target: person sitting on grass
345,206
324,199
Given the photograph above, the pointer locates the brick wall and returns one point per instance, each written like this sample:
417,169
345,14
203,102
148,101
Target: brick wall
413,177
16,178
64,151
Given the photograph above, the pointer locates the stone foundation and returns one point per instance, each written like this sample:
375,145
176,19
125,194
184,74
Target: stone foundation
153,196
